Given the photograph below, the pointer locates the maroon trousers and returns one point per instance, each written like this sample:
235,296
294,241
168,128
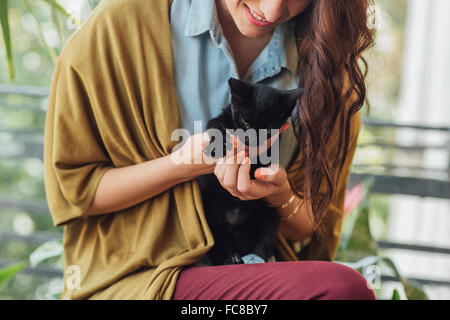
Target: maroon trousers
298,280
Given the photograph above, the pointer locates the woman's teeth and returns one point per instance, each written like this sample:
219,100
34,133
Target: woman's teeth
256,16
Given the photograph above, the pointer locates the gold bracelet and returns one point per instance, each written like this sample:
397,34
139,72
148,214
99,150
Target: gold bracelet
293,213
284,205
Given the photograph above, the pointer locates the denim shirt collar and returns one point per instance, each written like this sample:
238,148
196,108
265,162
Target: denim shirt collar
280,52
200,17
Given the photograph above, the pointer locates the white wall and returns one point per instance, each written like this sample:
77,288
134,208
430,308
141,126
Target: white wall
425,99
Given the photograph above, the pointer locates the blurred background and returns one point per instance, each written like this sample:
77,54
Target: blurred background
397,227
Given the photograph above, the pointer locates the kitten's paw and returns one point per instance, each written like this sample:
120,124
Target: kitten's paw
234,259
252,258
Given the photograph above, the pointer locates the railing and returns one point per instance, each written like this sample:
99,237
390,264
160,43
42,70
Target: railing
385,183
409,185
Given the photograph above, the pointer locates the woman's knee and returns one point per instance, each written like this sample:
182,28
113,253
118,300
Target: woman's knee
312,280
343,283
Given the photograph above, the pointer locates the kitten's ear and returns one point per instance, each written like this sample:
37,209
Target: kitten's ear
295,94
240,88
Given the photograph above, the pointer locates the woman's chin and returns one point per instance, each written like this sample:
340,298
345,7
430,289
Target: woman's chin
250,31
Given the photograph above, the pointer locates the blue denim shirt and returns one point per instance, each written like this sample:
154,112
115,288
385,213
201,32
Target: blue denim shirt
203,61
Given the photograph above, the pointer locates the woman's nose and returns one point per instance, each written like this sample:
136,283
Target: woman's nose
273,10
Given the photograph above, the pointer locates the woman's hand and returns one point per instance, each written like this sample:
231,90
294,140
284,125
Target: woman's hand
234,176
233,173
192,155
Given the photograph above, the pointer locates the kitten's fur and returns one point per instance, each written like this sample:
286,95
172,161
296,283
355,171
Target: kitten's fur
242,227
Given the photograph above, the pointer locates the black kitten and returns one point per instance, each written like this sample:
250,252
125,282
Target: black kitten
243,227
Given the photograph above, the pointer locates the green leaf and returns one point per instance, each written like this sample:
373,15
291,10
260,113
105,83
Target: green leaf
4,21
363,263
55,5
10,271
47,250
356,233
360,243
40,30
395,295
57,23
93,3
413,290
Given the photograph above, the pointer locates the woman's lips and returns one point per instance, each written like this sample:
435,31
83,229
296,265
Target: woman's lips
255,21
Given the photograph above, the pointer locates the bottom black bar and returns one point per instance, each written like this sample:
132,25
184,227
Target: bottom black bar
179,310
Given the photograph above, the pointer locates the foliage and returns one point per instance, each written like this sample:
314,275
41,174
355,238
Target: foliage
33,33
358,248
45,251
395,295
10,271
4,21
55,7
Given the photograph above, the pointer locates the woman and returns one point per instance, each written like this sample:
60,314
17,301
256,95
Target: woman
134,221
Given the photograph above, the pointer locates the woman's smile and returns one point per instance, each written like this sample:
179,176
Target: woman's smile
255,18
258,18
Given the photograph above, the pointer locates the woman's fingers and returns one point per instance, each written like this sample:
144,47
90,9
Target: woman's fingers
252,189
231,171
219,171
239,146
273,174
239,184
256,150
226,172
267,180
244,183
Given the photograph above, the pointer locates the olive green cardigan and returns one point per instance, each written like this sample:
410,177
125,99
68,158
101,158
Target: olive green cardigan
113,104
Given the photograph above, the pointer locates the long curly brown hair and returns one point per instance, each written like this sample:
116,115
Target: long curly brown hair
331,37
